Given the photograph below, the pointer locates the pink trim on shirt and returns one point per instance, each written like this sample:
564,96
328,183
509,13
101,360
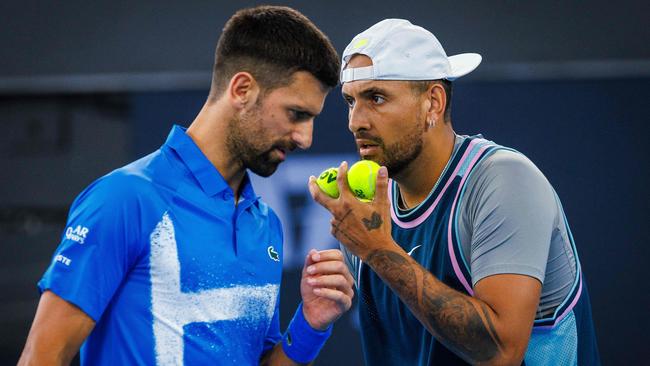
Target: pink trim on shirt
427,213
450,242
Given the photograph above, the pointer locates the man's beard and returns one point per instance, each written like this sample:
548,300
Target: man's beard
397,156
400,154
245,140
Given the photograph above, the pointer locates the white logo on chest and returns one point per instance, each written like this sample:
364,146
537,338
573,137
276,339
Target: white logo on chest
172,309
413,249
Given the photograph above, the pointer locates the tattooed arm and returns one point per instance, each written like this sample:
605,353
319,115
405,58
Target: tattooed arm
493,327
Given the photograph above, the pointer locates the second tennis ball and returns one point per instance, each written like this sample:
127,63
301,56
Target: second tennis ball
362,178
327,182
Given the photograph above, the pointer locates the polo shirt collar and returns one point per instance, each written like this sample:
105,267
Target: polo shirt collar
209,178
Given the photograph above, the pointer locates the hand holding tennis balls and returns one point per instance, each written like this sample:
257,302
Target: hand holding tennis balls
362,178
361,227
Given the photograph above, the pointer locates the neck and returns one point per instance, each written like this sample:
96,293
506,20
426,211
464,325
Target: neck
420,176
208,130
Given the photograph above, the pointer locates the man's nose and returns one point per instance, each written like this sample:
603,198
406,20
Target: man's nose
357,119
302,134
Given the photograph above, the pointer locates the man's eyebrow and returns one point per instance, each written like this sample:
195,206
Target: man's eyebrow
373,90
302,109
368,92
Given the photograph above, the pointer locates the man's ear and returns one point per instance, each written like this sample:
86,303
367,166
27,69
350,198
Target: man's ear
243,90
436,95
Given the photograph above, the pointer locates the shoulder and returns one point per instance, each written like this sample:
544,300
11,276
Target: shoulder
120,184
508,161
506,181
505,168
125,187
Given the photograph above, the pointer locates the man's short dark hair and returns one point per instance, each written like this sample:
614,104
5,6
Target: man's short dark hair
420,87
272,43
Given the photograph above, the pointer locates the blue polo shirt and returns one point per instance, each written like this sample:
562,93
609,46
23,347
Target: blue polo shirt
169,267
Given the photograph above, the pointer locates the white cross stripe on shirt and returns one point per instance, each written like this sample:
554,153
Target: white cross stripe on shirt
172,309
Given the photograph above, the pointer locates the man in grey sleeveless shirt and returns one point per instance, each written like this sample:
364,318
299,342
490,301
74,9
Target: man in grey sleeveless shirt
465,254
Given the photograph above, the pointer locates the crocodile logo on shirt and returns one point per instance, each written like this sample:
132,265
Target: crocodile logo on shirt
273,254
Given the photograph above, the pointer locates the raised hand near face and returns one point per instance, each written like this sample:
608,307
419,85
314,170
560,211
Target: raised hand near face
361,227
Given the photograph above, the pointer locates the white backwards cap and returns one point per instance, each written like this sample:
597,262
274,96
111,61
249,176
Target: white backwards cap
400,50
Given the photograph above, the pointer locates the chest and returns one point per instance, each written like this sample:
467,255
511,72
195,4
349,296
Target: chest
429,243
205,243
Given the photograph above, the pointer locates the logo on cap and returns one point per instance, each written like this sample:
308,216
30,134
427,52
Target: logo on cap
360,43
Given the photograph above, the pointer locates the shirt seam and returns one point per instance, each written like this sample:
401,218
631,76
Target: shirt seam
507,268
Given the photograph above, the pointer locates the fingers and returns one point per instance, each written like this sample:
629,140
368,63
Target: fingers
342,181
328,276
329,268
326,262
338,282
308,261
319,196
333,281
326,255
334,295
381,189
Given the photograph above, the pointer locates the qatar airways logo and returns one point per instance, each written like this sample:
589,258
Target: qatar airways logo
77,234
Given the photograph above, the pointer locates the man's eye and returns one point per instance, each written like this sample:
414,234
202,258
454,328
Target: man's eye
349,102
378,100
299,115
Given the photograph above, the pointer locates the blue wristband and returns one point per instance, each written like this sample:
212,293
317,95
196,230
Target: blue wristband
301,342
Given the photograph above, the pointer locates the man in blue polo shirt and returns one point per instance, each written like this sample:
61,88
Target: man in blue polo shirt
173,259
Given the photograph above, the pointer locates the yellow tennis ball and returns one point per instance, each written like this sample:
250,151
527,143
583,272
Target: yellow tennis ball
362,178
327,182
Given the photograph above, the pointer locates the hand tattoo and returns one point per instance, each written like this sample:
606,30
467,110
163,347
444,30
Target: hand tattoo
341,220
337,232
374,222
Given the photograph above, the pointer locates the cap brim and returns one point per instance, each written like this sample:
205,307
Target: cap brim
463,64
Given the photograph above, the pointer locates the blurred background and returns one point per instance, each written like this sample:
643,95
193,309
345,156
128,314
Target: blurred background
88,86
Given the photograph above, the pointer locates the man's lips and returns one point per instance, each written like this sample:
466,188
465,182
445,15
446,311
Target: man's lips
367,147
366,142
281,153
368,150
282,149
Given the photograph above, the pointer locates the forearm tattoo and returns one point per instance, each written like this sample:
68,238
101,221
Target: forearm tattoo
449,315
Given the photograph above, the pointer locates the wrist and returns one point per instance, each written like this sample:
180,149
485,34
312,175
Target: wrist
313,324
301,342
379,246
